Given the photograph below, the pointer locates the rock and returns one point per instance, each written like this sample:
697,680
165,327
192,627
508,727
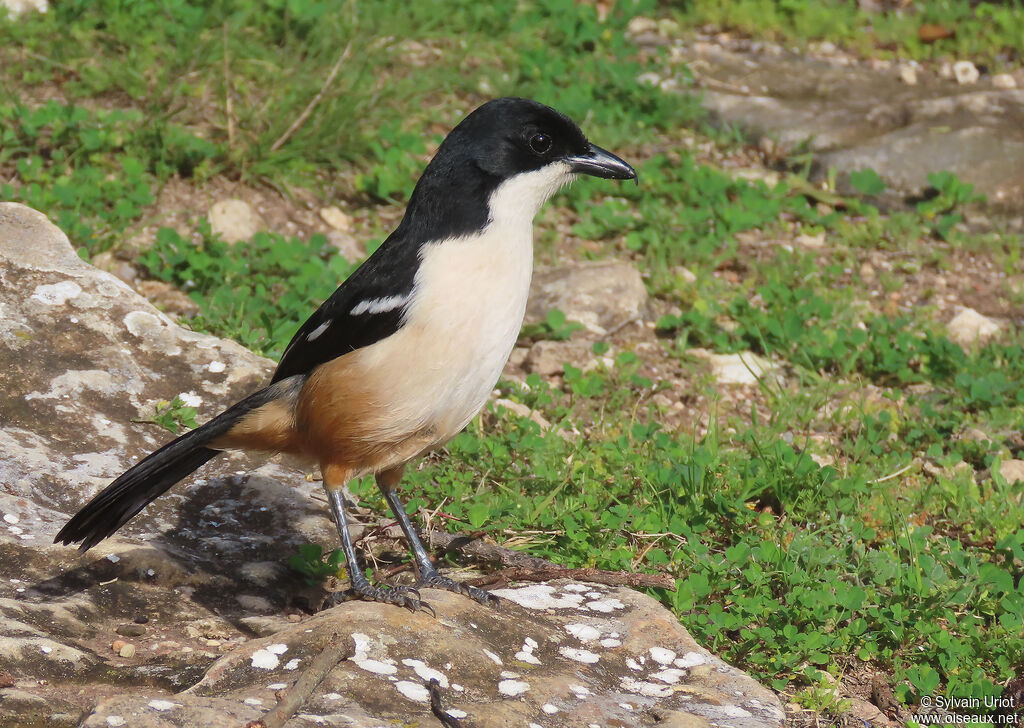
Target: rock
1004,81
811,241
601,295
123,269
19,7
337,219
867,713
81,356
167,298
235,220
567,654
969,327
522,410
744,368
855,118
639,25
350,247
908,75
550,357
965,73
1012,470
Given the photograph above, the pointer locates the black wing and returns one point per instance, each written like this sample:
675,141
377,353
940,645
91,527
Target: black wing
333,330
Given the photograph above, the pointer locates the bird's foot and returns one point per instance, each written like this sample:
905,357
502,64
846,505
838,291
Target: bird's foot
436,581
403,596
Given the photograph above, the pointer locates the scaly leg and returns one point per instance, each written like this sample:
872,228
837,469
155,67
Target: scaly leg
387,481
360,587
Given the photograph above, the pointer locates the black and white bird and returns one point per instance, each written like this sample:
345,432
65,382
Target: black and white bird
406,352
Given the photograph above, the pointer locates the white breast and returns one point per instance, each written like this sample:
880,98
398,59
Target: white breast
468,303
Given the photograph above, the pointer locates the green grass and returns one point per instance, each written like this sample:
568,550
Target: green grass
848,517
987,32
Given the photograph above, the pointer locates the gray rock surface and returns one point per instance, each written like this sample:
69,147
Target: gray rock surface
854,117
188,618
601,295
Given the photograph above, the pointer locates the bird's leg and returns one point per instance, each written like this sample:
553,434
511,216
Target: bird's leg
427,574
360,587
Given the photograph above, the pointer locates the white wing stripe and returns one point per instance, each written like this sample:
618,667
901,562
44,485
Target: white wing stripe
315,333
379,305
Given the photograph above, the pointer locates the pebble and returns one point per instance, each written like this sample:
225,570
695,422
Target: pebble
965,72
337,219
127,650
908,75
1004,80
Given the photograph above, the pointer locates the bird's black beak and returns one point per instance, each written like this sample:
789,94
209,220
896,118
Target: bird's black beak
598,162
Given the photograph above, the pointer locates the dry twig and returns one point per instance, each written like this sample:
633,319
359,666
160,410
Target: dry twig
436,708
337,650
596,576
301,118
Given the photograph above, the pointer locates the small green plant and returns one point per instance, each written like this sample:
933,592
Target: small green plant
173,415
948,194
311,564
555,327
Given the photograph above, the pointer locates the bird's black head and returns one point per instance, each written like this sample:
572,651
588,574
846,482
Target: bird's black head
518,147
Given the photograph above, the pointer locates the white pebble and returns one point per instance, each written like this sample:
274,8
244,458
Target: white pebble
253,701
456,713
527,657
965,72
605,605
584,656
512,687
690,659
277,686
376,666
216,367
163,705
540,596
494,658
413,691
611,642
427,673
531,642
264,660
278,649
190,399
549,708
115,720
662,655
669,675
113,558
292,664
333,696
583,632
11,518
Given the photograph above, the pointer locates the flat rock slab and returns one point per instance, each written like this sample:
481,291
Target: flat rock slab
561,654
853,117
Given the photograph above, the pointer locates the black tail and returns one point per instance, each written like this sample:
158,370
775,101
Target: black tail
156,473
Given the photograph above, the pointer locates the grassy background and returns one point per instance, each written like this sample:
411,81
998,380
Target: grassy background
847,519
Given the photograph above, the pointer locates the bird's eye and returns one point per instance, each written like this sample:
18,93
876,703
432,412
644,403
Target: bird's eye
540,143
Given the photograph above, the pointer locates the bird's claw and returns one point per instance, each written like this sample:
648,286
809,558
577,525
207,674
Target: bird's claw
436,581
398,595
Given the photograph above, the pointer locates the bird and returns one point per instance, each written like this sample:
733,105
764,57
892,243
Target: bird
402,356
